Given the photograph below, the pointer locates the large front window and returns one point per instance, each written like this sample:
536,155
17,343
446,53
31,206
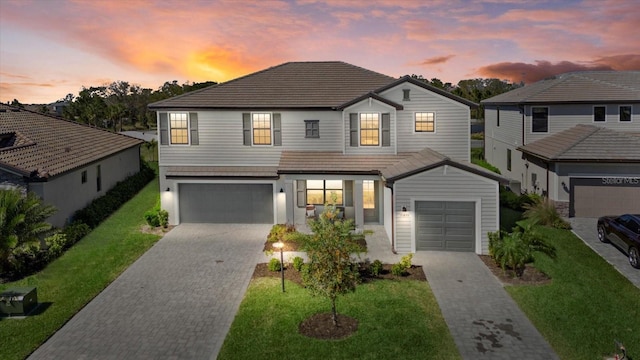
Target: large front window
179,125
425,122
261,125
369,129
539,119
320,192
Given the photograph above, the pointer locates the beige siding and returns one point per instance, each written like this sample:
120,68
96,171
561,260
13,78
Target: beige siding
445,183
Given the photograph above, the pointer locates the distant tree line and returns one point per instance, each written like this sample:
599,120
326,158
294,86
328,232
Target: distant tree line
474,90
121,105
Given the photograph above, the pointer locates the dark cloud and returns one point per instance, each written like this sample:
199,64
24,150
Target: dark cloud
437,60
530,73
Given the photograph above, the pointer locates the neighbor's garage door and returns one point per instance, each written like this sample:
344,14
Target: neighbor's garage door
444,225
226,203
596,201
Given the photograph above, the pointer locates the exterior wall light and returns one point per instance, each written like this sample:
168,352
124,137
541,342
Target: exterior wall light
281,190
404,209
168,189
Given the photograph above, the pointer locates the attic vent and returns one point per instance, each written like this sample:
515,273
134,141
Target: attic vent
7,140
406,94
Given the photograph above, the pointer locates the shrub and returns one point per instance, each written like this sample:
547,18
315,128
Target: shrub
75,232
274,265
543,212
405,261
102,207
152,218
375,268
163,218
279,231
56,244
397,269
298,263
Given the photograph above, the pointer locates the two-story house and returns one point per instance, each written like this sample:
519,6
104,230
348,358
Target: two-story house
276,145
67,164
574,138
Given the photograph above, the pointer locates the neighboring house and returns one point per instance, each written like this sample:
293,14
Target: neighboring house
271,146
574,138
67,164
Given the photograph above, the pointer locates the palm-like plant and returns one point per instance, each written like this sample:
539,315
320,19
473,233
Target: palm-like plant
22,220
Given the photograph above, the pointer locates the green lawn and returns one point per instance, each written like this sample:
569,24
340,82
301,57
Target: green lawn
397,320
75,278
588,304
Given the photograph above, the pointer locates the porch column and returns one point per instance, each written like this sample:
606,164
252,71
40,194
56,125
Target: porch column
358,205
290,201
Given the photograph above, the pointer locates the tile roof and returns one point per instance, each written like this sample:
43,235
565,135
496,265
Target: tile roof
314,162
586,143
325,84
391,167
223,171
50,146
576,87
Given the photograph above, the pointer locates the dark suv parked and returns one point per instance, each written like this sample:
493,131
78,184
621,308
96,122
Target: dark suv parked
624,232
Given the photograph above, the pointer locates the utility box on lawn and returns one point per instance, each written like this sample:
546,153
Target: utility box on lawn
18,301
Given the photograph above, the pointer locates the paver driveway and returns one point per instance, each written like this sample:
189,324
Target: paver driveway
176,302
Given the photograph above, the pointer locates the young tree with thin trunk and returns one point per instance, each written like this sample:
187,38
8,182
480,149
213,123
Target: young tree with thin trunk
332,270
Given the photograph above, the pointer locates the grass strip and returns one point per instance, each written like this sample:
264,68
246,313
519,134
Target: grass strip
587,305
72,280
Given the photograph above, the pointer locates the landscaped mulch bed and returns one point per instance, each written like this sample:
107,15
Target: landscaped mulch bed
530,276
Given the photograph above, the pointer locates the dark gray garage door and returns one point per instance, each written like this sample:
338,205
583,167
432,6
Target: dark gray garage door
226,203
444,225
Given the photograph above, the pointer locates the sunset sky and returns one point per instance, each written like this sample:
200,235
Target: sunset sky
49,48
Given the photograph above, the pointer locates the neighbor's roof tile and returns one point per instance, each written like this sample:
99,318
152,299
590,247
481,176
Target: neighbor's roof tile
47,146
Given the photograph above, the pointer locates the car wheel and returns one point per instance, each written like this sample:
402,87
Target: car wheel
602,236
634,258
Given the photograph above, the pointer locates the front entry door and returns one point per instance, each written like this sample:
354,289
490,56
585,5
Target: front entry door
370,200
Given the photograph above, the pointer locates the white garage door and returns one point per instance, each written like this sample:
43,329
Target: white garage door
226,203
445,225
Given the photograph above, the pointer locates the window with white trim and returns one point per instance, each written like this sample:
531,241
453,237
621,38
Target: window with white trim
369,129
179,128
320,192
261,128
425,122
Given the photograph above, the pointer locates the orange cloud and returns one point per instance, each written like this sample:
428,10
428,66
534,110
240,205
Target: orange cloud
529,73
437,60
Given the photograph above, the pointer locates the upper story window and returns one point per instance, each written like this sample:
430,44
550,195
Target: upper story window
625,113
261,127
312,128
540,119
369,129
425,122
599,113
179,128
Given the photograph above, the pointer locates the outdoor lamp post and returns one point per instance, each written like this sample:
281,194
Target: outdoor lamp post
280,245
